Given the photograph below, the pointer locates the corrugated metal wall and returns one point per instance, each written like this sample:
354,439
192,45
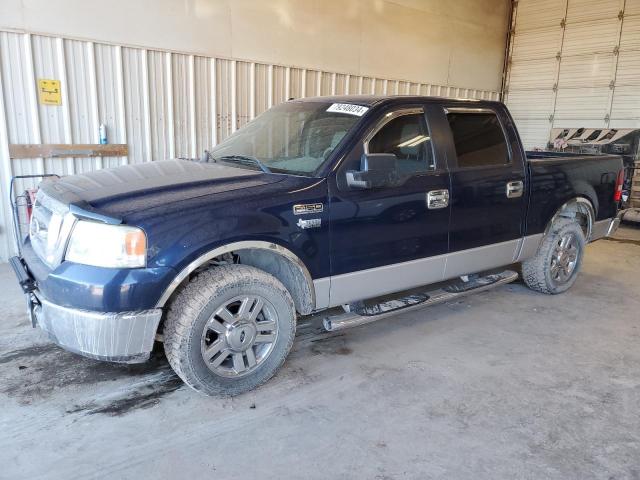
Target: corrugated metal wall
572,64
162,104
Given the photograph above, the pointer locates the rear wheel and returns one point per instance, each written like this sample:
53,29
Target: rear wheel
229,330
555,267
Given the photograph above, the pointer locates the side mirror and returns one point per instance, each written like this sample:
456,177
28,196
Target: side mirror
376,170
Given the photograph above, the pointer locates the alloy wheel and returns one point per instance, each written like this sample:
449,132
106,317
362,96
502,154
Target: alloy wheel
239,336
564,258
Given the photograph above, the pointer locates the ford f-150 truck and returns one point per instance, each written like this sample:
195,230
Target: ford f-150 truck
359,202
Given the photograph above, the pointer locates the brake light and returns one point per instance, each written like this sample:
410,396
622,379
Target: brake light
617,193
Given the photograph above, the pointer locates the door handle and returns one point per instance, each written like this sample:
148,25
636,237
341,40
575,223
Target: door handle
437,199
515,189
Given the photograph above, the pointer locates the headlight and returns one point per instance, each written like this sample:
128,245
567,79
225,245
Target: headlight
102,245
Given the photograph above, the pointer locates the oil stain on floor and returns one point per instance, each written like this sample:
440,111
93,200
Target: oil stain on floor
38,373
141,397
33,374
335,345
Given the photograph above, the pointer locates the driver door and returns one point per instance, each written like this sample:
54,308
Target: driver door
390,238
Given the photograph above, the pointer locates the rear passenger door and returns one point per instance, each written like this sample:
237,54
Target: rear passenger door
487,188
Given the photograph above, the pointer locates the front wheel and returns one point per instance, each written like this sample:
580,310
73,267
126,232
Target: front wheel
555,266
229,330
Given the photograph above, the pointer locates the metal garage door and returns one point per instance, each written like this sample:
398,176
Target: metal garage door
573,63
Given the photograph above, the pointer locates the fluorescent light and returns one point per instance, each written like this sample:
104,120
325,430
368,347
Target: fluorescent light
412,142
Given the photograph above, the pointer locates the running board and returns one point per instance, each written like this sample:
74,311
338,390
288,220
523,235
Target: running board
366,314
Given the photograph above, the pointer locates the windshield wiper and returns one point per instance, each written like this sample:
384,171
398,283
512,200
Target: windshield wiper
245,159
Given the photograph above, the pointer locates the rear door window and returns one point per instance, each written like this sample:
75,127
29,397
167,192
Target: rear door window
479,139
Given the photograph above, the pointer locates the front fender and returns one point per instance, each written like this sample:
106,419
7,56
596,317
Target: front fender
291,270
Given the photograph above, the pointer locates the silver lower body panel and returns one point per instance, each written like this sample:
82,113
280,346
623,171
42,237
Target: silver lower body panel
373,282
125,337
432,297
363,284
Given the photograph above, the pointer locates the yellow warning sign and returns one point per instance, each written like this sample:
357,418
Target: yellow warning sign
49,91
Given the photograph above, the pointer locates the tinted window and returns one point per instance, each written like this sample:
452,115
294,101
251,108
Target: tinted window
407,137
479,139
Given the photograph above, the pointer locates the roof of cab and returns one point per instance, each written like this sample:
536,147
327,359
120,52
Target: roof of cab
371,100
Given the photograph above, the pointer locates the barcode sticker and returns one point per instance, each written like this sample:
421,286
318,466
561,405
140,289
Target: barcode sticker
357,110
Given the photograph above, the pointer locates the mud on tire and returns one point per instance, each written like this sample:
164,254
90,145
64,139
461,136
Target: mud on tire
552,270
237,312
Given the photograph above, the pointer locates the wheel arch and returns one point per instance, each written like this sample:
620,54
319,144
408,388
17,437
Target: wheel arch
580,208
270,257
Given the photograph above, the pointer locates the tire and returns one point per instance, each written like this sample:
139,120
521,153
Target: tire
546,272
235,311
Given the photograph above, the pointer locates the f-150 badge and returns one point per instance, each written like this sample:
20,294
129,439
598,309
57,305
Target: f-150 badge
301,209
311,223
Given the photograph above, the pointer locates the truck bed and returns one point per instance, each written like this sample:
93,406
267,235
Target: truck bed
557,177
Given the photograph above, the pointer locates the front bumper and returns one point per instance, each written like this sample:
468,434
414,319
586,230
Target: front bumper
113,336
116,337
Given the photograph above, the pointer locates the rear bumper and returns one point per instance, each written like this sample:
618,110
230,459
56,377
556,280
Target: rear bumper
615,223
126,337
606,228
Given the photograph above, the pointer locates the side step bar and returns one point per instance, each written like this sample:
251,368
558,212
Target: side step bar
368,314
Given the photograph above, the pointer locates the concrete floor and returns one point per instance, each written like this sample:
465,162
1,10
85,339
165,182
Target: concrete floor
504,384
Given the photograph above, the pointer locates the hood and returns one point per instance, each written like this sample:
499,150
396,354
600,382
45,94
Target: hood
117,191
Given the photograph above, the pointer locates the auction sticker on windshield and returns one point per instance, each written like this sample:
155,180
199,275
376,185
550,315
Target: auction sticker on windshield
357,110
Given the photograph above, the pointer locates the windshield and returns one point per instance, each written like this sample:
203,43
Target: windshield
293,137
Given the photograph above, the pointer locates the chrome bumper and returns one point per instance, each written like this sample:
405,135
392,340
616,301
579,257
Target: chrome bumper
615,223
117,337
606,228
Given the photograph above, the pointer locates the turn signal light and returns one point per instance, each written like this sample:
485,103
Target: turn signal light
135,243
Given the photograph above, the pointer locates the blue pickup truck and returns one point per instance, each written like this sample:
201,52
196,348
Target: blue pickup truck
370,204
